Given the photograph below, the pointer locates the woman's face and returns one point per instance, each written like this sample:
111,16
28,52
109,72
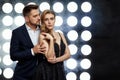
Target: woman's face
49,21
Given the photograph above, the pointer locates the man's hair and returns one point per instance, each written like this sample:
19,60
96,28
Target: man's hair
28,8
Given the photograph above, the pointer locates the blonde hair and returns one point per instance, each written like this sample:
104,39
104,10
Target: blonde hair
43,27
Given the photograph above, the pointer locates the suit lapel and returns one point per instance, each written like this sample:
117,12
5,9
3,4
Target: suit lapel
27,37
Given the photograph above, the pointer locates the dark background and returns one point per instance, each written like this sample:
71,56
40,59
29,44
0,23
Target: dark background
106,40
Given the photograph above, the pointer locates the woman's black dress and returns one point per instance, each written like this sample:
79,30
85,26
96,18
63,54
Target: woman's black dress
48,71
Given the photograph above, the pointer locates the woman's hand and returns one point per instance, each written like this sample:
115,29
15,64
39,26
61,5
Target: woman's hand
52,60
47,36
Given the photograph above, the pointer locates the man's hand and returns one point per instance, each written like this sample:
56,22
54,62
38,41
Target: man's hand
39,48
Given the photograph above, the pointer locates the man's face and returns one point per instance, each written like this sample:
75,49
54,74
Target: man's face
34,17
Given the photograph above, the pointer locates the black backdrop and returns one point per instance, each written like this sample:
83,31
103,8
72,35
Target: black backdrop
106,40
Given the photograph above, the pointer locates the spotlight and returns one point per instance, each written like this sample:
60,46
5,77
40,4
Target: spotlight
72,35
73,62
19,7
86,35
7,20
6,60
86,7
19,20
44,5
8,73
0,71
58,7
7,33
86,49
7,7
73,49
72,7
71,76
59,21
6,47
85,63
72,21
84,76
86,21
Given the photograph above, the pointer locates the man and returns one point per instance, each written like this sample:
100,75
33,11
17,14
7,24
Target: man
24,46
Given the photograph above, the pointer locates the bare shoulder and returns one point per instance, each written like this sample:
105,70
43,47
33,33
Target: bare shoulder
63,37
61,34
41,36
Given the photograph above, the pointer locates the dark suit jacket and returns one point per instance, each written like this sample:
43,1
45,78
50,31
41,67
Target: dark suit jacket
20,50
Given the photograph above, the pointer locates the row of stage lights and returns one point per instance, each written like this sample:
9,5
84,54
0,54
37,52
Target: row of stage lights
72,21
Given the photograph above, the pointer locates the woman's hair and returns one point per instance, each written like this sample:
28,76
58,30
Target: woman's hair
43,27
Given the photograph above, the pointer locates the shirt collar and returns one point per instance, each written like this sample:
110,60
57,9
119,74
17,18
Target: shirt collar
28,28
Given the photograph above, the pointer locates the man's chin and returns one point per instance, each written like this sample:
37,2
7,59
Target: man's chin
38,24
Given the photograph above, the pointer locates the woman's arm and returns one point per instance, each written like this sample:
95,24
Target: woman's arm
67,51
43,41
63,57
50,44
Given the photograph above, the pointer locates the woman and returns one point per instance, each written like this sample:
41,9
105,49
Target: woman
52,68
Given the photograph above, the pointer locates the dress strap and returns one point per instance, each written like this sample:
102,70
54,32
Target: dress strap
60,35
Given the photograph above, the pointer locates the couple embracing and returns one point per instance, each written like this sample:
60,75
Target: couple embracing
39,50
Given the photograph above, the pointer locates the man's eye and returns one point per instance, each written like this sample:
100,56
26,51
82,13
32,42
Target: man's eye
52,18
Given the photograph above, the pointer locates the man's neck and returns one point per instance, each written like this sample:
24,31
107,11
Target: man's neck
33,27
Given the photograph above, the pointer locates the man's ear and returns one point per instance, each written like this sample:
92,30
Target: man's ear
26,19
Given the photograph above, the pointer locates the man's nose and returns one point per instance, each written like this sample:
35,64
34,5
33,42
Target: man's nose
38,17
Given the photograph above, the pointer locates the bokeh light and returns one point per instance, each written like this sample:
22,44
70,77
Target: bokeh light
7,8
19,7
19,20
0,59
72,7
86,7
58,7
8,73
59,21
0,71
7,20
44,5
86,49
71,76
73,49
72,21
84,76
86,21
86,35
72,35
7,33
71,63
6,47
85,63
6,60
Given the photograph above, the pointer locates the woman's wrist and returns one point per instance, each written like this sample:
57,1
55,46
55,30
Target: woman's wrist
56,60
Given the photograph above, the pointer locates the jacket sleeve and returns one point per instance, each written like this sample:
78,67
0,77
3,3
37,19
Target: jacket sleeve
18,48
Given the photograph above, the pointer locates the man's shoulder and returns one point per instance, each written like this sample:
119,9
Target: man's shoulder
19,28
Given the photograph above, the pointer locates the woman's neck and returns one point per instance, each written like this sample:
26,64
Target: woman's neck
52,32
